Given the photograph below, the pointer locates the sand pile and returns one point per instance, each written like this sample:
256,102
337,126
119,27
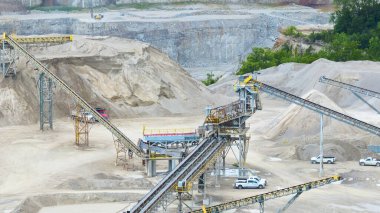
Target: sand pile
127,77
299,79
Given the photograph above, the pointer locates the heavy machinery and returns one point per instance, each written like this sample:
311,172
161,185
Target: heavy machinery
222,123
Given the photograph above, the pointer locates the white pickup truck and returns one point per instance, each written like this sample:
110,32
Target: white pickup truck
328,160
369,162
250,183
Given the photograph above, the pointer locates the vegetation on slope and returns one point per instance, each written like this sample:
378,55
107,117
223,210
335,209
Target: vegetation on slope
356,36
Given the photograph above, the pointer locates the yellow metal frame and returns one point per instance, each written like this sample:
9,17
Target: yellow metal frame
166,131
187,188
39,39
269,195
81,128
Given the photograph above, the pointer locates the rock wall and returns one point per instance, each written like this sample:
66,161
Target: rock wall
86,3
196,41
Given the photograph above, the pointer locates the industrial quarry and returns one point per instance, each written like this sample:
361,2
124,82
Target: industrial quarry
103,109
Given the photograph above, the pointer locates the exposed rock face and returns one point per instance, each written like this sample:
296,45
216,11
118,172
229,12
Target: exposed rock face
194,38
85,3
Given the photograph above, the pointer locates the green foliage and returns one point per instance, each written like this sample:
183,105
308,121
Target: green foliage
325,36
292,31
211,79
374,48
356,16
356,36
55,8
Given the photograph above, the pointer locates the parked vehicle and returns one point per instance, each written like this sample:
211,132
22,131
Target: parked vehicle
250,183
326,159
102,112
83,115
369,162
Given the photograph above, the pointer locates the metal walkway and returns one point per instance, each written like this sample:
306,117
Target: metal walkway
189,169
315,107
350,87
113,129
261,198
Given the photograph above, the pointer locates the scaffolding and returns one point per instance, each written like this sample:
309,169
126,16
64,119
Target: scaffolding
8,59
82,129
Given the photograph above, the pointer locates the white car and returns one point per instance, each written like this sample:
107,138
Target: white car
369,162
250,183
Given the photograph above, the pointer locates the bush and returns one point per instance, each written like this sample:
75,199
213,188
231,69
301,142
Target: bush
211,79
356,36
292,31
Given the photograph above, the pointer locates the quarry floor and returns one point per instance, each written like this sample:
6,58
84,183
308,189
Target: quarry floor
35,163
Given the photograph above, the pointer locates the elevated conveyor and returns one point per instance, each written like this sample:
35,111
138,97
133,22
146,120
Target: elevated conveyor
123,139
38,39
313,106
350,87
261,198
190,168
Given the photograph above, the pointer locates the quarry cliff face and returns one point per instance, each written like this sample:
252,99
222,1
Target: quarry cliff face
86,3
192,38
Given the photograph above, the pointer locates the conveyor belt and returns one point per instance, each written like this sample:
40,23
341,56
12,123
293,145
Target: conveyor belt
39,39
350,87
190,168
269,195
113,129
315,107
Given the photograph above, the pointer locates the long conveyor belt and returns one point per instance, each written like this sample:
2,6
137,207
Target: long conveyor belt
190,168
267,196
315,107
350,87
39,39
114,130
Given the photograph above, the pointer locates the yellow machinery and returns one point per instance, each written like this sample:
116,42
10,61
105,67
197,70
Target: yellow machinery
98,16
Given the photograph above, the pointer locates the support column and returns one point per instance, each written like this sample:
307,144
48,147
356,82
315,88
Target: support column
241,157
171,165
151,168
201,183
180,202
217,173
46,101
321,172
205,200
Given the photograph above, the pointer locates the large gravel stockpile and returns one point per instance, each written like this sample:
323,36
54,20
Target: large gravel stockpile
127,77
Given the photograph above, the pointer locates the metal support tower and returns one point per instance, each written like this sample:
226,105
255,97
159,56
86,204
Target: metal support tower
8,58
81,128
45,88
